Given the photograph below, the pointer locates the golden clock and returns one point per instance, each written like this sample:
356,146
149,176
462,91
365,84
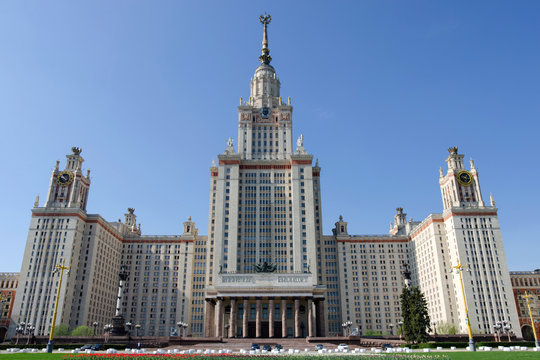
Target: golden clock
464,178
64,178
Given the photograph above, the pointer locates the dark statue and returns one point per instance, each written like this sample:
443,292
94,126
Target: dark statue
265,267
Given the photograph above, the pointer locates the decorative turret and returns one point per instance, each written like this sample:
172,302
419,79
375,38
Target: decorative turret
69,188
189,228
130,220
454,160
400,220
265,85
341,227
460,187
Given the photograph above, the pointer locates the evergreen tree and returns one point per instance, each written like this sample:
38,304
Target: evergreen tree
416,321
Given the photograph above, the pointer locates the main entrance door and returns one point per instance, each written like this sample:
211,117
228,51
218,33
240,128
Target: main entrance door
265,332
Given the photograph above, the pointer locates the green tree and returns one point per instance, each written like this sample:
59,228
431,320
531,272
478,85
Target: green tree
61,330
446,329
416,321
82,331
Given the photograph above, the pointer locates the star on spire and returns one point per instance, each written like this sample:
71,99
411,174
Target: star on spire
265,57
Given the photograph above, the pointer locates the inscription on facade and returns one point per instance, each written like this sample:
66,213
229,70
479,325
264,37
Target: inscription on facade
237,279
292,279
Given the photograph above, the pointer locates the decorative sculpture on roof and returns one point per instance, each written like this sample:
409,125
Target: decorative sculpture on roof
230,147
265,57
453,150
265,267
76,150
300,146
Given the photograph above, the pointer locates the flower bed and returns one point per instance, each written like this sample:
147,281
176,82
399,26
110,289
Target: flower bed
243,357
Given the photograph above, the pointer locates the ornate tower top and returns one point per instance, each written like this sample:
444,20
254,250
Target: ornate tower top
265,57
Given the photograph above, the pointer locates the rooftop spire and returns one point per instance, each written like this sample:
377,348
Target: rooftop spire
265,57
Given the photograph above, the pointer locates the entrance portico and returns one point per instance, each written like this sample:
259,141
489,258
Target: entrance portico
265,305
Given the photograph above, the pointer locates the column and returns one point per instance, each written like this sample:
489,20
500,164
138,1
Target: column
219,320
320,318
209,318
232,319
271,318
310,317
296,317
258,318
283,318
245,319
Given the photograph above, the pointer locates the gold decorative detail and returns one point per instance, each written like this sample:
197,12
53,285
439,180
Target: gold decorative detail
464,178
64,178
453,150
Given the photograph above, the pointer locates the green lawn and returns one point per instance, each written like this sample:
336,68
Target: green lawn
35,356
481,355
456,355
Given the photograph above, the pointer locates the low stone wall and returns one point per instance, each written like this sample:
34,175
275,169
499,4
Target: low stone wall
130,342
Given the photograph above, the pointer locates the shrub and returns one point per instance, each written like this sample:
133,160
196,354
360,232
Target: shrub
82,331
61,330
373,333
446,329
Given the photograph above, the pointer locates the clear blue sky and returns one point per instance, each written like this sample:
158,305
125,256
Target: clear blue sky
380,90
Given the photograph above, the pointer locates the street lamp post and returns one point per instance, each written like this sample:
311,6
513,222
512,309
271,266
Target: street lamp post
128,325
20,330
400,324
58,268
529,298
497,328
182,326
137,328
347,327
107,329
391,329
507,329
95,324
459,268
29,331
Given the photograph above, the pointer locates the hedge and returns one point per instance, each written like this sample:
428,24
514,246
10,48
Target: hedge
462,345
65,346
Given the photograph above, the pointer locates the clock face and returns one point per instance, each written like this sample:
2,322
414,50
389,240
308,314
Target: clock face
265,112
64,178
464,178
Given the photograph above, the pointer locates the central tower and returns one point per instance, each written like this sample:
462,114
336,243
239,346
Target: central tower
264,222
264,122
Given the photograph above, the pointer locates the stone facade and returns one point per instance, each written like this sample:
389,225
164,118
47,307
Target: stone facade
265,269
527,283
8,289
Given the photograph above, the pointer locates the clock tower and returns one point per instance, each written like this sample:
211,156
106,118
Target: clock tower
69,188
460,187
264,121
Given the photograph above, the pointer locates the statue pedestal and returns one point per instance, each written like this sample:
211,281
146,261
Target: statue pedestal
119,328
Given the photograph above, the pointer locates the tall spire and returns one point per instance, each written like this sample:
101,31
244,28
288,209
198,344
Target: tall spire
265,57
